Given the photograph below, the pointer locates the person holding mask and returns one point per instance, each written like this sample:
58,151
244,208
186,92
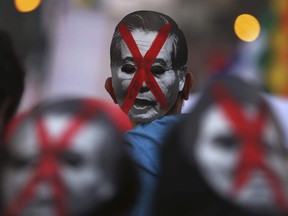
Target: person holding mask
149,81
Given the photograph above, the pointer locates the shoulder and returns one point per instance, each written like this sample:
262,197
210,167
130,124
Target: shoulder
153,132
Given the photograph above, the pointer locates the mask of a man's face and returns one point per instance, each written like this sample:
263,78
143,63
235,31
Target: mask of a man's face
253,172
170,80
85,182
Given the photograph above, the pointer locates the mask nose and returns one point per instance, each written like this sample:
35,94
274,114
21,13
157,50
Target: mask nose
143,89
44,196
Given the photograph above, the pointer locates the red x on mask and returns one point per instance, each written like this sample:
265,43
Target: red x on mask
143,65
47,168
252,155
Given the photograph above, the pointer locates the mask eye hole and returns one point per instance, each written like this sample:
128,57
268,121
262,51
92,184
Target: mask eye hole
72,160
128,68
157,70
226,142
20,163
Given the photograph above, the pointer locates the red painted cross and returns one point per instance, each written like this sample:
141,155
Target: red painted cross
252,155
48,165
143,65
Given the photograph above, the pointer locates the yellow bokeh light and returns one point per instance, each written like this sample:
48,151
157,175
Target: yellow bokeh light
277,78
26,5
247,27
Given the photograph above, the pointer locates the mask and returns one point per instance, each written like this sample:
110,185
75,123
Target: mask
240,153
55,164
145,83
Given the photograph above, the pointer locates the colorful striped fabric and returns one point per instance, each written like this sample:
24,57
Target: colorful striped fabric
274,61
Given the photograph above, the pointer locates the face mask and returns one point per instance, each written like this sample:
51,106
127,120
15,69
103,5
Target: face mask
145,83
54,165
240,154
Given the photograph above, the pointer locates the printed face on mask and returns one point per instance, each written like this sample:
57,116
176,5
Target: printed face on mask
146,107
219,152
84,180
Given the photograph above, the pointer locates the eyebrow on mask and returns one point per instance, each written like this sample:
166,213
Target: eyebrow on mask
21,154
127,59
157,60
160,61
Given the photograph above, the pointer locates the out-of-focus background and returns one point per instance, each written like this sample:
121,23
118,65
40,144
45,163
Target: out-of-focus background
64,44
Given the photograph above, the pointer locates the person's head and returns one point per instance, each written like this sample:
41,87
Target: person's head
66,158
11,81
234,149
148,64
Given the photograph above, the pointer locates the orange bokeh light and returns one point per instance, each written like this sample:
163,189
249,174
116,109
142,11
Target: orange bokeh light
247,27
26,5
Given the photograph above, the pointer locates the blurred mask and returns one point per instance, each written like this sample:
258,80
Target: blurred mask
59,163
240,152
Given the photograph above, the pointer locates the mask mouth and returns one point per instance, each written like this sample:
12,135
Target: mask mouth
43,202
45,206
142,103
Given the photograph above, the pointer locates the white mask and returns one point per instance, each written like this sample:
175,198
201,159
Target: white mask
171,81
86,184
218,150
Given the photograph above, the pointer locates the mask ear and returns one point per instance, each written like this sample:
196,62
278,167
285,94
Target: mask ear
187,86
109,88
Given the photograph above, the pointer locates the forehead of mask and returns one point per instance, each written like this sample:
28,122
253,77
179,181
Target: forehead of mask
146,107
217,151
81,164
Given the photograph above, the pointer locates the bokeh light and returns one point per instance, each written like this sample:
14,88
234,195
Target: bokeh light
26,5
247,27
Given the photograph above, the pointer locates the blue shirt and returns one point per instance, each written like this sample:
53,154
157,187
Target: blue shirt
145,142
